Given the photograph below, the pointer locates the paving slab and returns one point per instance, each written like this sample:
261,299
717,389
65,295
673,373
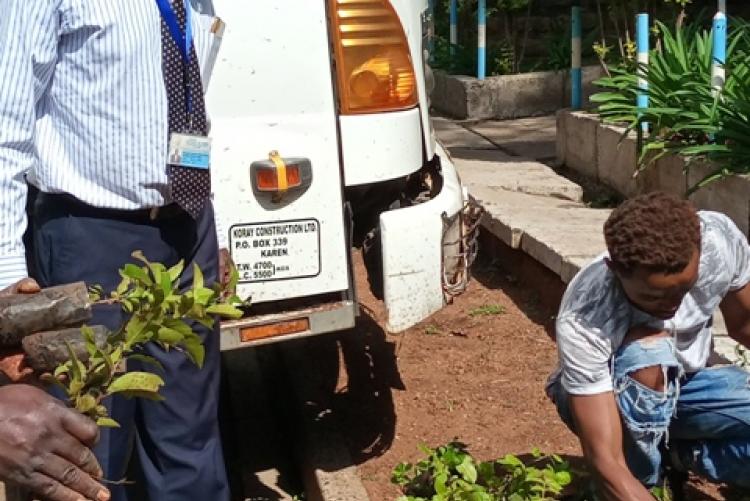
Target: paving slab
498,171
526,137
453,135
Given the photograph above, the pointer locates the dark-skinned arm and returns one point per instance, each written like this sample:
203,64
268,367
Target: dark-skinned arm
599,428
736,310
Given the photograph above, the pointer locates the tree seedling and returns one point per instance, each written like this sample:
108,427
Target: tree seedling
450,473
159,312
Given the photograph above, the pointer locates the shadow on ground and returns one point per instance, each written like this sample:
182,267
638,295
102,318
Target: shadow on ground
356,373
534,289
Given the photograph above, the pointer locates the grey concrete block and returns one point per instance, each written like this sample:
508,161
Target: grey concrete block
514,96
581,139
506,96
666,174
730,195
449,95
616,159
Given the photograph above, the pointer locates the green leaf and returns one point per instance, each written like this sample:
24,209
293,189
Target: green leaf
106,422
176,270
197,277
61,370
467,470
136,273
75,365
136,331
224,310
195,350
145,382
170,336
234,279
166,285
85,404
203,296
563,478
123,286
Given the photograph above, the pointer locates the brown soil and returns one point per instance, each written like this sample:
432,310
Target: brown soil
473,372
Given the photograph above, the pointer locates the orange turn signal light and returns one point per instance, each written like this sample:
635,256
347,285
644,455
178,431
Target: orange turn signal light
272,330
373,60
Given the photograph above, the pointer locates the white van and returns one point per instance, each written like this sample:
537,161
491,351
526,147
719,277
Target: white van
321,134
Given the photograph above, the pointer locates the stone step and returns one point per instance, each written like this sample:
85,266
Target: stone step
496,170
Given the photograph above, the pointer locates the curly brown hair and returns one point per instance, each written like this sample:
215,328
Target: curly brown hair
657,231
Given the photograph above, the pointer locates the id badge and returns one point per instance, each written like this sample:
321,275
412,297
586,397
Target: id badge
189,150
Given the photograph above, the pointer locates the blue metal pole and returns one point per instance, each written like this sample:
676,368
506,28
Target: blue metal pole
642,42
719,53
576,73
482,39
454,25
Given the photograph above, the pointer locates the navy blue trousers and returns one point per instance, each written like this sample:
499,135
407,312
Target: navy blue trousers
177,440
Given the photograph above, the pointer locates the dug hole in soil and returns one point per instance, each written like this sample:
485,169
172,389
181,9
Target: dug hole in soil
474,372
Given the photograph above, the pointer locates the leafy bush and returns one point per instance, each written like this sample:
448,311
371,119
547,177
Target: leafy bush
686,115
449,473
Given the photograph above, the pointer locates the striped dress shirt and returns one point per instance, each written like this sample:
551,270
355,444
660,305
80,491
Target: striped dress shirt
83,108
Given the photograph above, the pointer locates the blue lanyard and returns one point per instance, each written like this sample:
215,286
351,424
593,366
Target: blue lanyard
184,41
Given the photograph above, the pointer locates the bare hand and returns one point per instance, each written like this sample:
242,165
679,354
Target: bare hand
45,447
23,286
13,366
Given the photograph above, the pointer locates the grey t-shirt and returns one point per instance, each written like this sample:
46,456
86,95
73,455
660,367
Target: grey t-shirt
595,315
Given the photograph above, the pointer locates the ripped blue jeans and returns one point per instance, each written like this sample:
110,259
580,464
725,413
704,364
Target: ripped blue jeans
702,418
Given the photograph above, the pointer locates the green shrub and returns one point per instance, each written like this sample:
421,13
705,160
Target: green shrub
449,473
686,115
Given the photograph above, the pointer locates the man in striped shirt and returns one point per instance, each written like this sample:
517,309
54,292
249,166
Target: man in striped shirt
87,104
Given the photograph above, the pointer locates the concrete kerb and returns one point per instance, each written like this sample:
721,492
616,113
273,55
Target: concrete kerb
559,234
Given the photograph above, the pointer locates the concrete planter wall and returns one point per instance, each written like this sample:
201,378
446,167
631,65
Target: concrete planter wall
507,96
599,151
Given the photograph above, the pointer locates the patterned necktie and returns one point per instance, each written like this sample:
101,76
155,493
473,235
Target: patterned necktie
190,187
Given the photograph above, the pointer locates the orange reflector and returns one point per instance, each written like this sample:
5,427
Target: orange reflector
273,330
267,179
374,65
292,176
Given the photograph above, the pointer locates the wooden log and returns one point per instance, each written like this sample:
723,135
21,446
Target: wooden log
52,308
46,350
